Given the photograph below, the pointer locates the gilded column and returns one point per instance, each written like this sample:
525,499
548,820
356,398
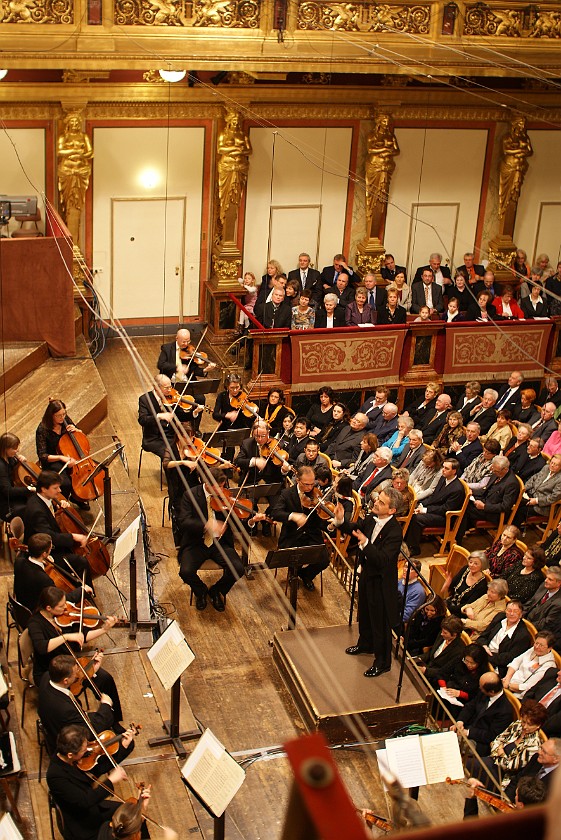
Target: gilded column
380,165
516,149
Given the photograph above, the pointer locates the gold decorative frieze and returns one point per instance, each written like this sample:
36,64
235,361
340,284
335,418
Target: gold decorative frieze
153,12
364,17
36,11
546,25
481,20
230,14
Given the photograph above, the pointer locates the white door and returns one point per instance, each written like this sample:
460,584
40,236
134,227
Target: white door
147,257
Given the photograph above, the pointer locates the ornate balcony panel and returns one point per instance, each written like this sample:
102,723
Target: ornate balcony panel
228,14
37,11
528,22
364,17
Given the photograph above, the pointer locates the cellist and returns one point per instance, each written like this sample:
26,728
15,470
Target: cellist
54,423
30,577
12,499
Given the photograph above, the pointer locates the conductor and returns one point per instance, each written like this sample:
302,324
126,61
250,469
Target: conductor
379,541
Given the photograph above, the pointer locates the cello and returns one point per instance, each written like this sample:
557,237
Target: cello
76,445
95,551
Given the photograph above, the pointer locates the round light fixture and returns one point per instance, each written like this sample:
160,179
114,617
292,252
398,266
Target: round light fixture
3,74
172,75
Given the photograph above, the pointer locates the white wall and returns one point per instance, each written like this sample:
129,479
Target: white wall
538,220
121,156
304,159
27,177
437,179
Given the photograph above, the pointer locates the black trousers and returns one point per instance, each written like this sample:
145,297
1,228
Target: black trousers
192,558
374,629
418,522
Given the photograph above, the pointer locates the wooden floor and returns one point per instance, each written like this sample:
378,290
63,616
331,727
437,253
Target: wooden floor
232,686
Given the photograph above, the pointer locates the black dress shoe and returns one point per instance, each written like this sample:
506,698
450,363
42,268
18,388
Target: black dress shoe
217,600
355,650
200,601
375,671
309,585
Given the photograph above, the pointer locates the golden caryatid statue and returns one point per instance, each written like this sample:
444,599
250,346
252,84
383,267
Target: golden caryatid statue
74,155
233,150
516,149
380,165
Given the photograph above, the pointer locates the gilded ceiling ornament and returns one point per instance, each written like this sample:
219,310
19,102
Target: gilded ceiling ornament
364,17
36,11
233,151
152,12
74,155
380,165
547,25
232,14
481,20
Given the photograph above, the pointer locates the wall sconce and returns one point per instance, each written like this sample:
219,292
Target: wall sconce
172,75
3,74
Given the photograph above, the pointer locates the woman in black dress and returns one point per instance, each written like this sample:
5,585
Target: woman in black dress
482,309
392,312
54,423
12,499
276,410
468,585
341,418
425,626
321,415
527,576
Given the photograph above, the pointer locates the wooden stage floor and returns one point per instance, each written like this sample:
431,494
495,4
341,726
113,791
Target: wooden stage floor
233,686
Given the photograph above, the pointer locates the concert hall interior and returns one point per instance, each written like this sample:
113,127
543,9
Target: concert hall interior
280,317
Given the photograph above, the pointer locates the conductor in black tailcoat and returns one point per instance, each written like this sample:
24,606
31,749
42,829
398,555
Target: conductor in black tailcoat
379,542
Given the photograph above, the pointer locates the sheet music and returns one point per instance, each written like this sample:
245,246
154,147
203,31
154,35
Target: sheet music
213,774
126,542
405,760
8,828
383,767
452,700
170,655
441,754
3,684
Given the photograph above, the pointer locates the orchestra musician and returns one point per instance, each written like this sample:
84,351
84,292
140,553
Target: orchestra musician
39,518
154,413
84,806
178,369
54,423
206,535
253,456
57,707
12,499
50,640
30,577
226,413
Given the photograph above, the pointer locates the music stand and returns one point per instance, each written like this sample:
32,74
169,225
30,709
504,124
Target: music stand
293,559
107,504
257,491
228,438
199,387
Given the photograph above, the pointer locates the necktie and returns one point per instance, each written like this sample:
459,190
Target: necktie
369,480
504,399
544,599
211,517
427,294
550,696
335,276
371,298
304,275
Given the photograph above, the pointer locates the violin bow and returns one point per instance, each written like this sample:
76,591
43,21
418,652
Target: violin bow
98,740
237,496
323,497
195,351
109,790
82,598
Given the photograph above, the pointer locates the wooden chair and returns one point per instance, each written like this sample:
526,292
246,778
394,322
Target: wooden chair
557,658
522,546
17,617
456,560
465,637
25,668
405,520
450,530
28,227
531,628
340,565
329,463
514,702
551,521
496,530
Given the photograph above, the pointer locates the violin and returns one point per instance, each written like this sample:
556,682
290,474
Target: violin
91,617
232,504
242,403
315,501
485,795
95,751
272,449
185,401
77,446
370,818
191,354
196,448
95,551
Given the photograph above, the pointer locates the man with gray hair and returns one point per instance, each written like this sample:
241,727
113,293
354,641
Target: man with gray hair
546,425
498,496
542,490
485,413
344,449
308,277
544,607
441,272
385,424
414,450
433,421
376,296
378,470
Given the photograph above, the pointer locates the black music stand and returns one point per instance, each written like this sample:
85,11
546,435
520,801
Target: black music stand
257,491
229,438
199,387
107,504
293,559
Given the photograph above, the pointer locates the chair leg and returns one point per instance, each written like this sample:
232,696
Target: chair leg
161,475
166,499
23,704
139,463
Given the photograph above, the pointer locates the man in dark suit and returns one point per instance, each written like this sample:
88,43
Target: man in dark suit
330,273
548,692
39,518
544,608
376,296
309,278
414,451
543,765
378,470
433,421
30,577
249,458
542,490
379,542
498,496
344,449
343,289
206,535
155,417
533,462
487,715
57,707
390,269
331,314
426,293
550,392
472,271
506,637
277,314
448,495
373,406
301,526
171,364
468,447
485,413
546,425
509,394
442,275
385,425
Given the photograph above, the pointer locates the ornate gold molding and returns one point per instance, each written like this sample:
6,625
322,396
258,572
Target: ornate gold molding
152,12
364,17
231,14
530,22
36,11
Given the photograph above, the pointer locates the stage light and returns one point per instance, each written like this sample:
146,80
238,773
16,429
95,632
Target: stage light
172,75
3,74
149,178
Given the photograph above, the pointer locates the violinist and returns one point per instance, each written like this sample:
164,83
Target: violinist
85,807
127,823
172,363
58,707
180,467
225,411
54,423
12,499
301,525
30,577
276,410
39,518
254,456
206,534
156,416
